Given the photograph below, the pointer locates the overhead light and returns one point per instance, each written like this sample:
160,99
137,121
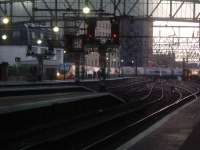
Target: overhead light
56,29
39,42
86,10
65,52
5,20
4,37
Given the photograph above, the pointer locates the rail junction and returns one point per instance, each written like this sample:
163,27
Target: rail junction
65,116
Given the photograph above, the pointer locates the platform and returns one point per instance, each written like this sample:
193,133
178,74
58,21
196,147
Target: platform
180,130
13,100
47,82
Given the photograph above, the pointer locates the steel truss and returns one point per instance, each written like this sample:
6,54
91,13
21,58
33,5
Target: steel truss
43,10
182,47
53,11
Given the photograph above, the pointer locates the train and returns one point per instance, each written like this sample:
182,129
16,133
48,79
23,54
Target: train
69,70
66,71
152,71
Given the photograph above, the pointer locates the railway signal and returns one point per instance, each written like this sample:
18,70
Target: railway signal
115,31
91,26
68,42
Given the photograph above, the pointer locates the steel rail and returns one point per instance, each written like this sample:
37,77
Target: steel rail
179,101
153,115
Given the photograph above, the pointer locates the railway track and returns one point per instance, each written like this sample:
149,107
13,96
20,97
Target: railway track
112,126
110,140
111,129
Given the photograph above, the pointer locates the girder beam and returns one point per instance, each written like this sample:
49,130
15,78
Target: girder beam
2,10
154,9
115,6
105,8
178,9
68,4
25,8
132,7
47,6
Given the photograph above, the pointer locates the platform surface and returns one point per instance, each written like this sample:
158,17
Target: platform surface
180,130
15,100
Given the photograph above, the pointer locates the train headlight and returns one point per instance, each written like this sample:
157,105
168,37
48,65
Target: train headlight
58,74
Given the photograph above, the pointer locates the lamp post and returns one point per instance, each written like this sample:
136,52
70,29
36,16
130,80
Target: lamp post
107,65
136,62
56,28
40,62
86,9
64,71
121,62
132,62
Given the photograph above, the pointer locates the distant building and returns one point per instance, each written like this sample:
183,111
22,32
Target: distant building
15,54
136,41
164,60
26,51
91,60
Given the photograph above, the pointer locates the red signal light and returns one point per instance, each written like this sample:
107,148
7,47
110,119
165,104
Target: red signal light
115,31
114,35
90,35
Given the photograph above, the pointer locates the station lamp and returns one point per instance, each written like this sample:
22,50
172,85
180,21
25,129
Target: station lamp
4,37
56,29
86,9
5,20
39,41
